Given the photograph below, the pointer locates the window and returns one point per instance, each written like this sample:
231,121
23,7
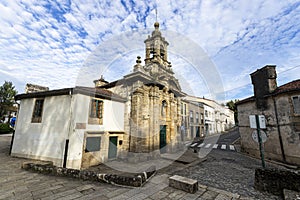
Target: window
191,116
96,109
37,111
202,118
184,109
92,144
197,117
296,104
181,108
206,113
96,112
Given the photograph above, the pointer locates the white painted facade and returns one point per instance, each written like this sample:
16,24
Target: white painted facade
209,119
218,118
65,117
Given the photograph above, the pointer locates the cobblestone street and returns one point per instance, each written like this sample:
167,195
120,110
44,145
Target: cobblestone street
233,175
230,171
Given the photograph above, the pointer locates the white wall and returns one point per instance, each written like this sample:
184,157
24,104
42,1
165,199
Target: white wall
45,140
113,114
61,114
113,120
210,119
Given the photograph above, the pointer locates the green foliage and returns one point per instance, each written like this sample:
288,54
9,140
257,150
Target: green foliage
4,128
7,94
232,106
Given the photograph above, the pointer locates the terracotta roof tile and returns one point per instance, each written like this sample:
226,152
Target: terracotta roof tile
288,87
291,86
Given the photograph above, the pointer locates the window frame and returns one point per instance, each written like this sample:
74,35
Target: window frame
96,111
296,111
38,110
88,140
191,116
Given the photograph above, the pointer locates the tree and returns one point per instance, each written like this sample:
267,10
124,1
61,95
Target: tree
7,94
232,106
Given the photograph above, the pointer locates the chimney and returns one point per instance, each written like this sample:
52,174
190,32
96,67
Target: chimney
100,82
264,83
31,88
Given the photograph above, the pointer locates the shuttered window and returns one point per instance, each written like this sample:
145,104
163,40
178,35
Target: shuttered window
96,109
37,111
296,104
191,116
197,117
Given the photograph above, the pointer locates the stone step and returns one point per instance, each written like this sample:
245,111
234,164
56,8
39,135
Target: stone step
183,183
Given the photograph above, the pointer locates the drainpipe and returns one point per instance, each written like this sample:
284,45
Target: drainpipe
278,129
65,156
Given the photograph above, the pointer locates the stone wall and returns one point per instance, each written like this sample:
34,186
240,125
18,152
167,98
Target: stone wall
275,180
290,136
135,180
147,116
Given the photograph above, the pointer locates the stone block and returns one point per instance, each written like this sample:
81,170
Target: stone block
183,183
290,195
275,180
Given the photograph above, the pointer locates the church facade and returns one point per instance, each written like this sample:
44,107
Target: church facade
152,110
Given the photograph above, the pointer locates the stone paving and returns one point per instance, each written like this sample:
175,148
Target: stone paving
230,171
16,183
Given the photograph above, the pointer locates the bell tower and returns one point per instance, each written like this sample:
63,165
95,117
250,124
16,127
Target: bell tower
156,48
153,101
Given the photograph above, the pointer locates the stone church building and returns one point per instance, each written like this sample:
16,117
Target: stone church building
152,110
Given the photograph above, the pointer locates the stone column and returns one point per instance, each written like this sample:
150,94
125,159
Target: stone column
135,121
144,121
156,114
151,121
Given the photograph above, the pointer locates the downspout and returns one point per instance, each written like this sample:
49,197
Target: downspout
65,156
278,129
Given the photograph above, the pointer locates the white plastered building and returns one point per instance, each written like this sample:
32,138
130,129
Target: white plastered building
73,127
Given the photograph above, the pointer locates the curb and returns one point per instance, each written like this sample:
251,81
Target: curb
289,166
137,180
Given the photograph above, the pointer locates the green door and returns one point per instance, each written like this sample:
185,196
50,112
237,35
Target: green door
112,149
162,139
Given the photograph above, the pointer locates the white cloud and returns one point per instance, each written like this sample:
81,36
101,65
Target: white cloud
47,42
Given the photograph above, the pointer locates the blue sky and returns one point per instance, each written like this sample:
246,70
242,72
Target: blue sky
50,42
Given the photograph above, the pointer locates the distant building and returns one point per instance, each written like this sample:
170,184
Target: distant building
281,108
196,120
217,117
184,128
72,127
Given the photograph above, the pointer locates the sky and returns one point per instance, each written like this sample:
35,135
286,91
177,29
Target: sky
214,44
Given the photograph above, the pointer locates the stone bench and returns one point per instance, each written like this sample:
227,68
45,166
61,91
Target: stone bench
183,183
